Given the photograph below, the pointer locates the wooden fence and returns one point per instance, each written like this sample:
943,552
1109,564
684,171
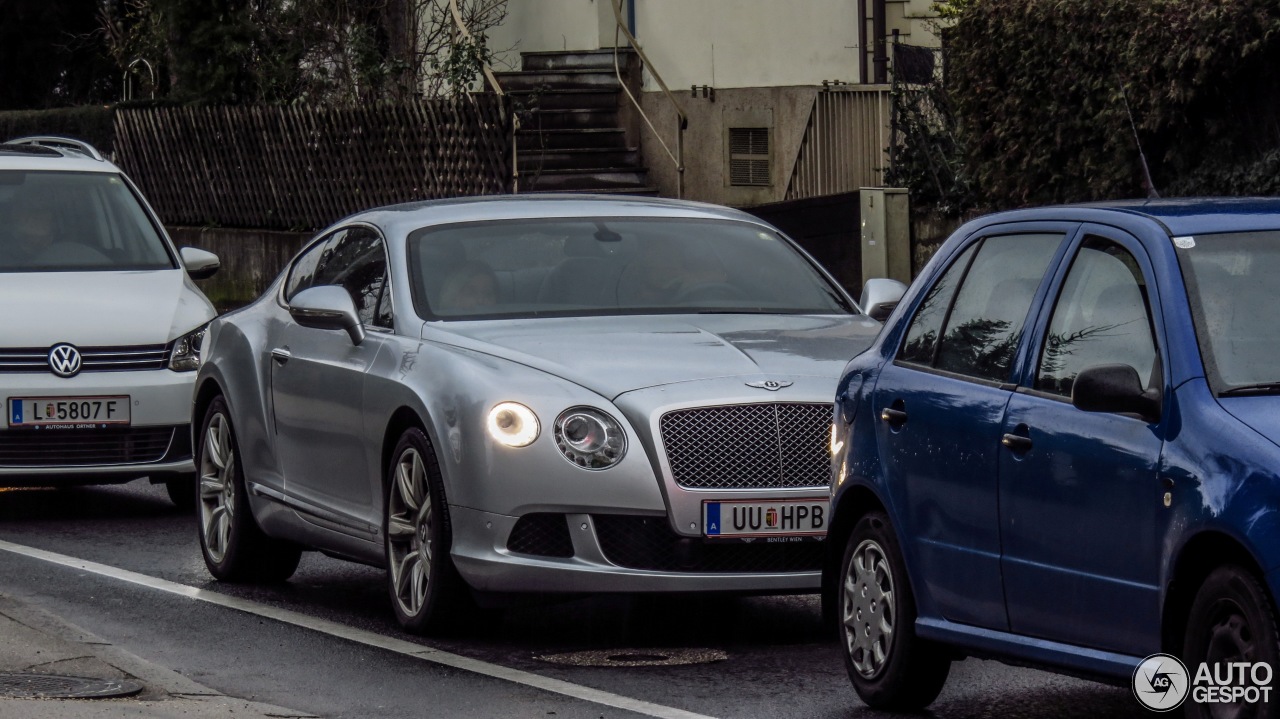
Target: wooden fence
301,168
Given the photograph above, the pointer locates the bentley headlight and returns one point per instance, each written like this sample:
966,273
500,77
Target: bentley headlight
590,438
185,356
513,424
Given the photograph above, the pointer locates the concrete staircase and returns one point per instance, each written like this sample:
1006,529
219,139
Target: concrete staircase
578,130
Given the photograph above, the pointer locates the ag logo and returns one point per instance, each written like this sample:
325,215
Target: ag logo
64,360
1161,682
772,385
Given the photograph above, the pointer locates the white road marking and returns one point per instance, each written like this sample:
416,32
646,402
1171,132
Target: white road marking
372,639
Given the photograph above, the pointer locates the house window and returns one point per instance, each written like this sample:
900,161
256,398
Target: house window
749,156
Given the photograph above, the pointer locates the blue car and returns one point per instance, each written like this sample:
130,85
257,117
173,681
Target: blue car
1061,451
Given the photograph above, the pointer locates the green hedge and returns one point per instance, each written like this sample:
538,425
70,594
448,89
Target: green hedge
1038,89
93,124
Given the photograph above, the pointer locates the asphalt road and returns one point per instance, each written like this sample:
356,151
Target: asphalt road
777,659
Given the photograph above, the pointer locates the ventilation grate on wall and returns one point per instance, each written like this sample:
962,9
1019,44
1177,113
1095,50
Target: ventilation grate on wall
749,156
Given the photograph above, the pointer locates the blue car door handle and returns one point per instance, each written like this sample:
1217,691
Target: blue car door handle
894,417
1016,442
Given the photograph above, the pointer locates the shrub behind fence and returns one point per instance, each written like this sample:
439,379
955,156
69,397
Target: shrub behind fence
301,168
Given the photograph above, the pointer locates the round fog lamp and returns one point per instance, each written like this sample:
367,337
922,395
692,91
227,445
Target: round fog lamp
590,438
513,424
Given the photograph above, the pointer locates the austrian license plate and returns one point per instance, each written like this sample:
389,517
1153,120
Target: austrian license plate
797,519
68,412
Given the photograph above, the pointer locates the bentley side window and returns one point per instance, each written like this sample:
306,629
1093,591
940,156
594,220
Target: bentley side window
1101,317
303,273
358,263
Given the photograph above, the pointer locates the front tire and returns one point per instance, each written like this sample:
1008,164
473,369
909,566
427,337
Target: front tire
890,667
426,590
234,548
1232,620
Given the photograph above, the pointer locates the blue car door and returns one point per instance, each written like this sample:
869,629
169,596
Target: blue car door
1080,495
941,402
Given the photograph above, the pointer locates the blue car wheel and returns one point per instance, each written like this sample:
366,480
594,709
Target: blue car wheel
891,668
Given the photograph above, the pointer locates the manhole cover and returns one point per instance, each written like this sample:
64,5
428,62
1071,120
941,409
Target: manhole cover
52,686
636,657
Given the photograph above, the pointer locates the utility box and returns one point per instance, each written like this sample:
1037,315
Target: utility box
886,234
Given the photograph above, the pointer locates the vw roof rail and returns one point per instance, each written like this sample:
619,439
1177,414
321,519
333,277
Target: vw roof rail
69,143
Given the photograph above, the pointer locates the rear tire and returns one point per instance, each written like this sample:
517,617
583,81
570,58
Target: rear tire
1232,620
426,591
890,667
234,548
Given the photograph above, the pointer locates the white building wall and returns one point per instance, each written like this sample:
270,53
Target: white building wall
749,43
543,25
723,43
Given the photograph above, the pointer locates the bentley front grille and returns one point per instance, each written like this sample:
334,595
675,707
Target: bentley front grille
649,543
749,446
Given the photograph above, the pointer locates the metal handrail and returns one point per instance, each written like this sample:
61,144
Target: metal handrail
682,120
497,90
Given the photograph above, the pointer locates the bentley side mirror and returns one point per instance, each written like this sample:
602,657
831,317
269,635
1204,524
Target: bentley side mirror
1114,388
328,307
200,264
880,296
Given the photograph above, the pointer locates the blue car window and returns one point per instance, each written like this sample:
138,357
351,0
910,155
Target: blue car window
921,342
985,323
1231,285
1101,318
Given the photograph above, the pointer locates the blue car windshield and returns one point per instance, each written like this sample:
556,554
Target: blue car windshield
607,266
1233,284
75,222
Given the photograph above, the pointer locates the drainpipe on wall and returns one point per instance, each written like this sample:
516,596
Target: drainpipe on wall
862,41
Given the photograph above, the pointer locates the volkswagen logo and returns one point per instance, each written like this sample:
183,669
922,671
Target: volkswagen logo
772,385
64,360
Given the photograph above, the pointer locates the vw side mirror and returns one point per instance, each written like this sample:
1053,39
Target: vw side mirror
328,307
200,264
1114,388
880,296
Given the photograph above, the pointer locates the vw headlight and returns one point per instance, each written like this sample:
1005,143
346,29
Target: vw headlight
185,356
590,438
513,424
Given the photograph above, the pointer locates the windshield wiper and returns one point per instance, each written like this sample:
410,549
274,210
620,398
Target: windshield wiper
1248,389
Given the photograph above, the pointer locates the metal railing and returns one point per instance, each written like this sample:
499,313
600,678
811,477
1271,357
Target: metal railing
682,120
497,90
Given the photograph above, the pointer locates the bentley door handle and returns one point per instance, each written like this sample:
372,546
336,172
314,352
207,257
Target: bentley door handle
281,354
1016,442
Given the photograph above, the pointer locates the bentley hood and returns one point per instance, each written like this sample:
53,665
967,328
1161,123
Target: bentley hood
98,309
613,355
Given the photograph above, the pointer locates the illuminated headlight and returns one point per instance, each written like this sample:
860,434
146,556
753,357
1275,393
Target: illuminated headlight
185,356
513,424
590,438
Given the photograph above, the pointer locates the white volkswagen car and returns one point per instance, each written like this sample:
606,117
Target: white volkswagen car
101,327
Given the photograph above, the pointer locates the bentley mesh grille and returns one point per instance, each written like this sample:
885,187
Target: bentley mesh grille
92,359
649,543
749,446
541,534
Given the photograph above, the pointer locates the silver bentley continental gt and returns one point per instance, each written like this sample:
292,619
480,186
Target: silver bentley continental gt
529,395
